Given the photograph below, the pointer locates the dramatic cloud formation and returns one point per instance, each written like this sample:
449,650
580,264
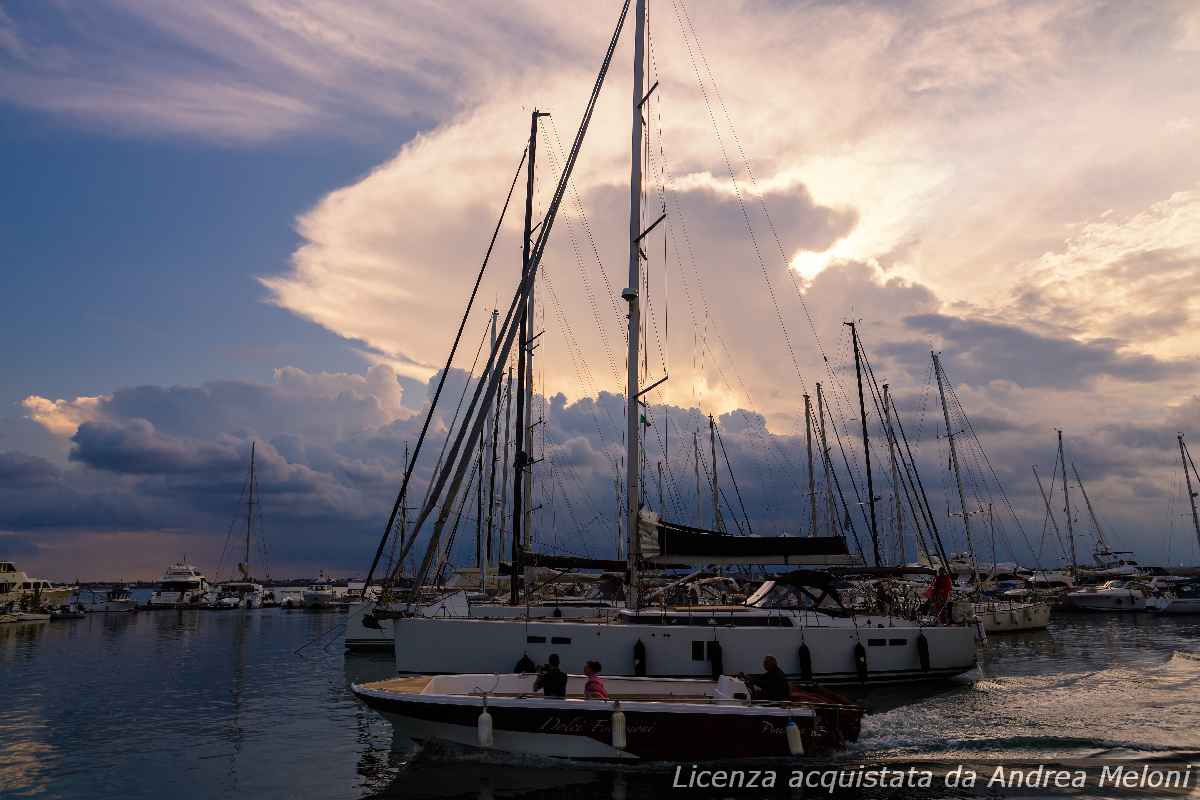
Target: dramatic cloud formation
1011,183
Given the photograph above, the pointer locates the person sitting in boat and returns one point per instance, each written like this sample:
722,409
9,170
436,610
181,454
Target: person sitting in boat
551,680
594,688
771,685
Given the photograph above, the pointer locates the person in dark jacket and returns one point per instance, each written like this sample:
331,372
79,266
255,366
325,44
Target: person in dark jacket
551,680
772,684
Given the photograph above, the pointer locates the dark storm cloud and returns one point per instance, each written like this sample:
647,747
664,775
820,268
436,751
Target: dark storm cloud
22,471
977,351
134,446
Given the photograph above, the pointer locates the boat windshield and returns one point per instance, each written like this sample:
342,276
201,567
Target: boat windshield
774,594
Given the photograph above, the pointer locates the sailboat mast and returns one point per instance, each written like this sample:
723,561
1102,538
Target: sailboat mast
832,510
630,295
494,435
718,523
1186,458
962,496
522,456
812,479
898,510
1067,508
862,413
249,519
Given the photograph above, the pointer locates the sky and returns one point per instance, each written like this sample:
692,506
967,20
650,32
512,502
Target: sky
236,222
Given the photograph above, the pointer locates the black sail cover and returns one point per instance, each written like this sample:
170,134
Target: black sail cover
663,542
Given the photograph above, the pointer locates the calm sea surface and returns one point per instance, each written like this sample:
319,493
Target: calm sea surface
256,704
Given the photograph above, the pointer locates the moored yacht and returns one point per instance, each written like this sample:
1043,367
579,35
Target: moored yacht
1112,596
17,587
115,600
181,586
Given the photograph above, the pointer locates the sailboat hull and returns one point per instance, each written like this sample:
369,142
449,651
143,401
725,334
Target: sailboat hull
433,646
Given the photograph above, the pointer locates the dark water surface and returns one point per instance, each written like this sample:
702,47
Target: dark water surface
255,704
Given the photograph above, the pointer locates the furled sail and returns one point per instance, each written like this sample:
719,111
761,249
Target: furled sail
663,541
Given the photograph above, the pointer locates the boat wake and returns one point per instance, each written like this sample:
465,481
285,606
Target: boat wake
1143,709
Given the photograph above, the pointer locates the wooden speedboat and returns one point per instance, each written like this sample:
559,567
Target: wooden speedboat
645,718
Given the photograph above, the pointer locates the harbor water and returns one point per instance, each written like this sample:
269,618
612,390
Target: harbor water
256,704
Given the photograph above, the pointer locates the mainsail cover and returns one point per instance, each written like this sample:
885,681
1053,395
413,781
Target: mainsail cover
663,542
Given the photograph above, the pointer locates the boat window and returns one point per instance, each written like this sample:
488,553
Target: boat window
535,639
897,642
876,642
697,651
560,640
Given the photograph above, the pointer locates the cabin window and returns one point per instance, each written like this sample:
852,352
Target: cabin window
876,642
535,639
697,651
897,642
560,640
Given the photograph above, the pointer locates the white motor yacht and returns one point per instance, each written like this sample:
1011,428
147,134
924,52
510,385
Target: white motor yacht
17,587
181,586
1111,596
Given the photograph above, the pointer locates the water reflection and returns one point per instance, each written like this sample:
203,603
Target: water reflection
256,703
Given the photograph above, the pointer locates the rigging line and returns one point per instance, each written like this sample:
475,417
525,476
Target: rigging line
1003,494
454,420
232,523
448,554
408,471
526,279
788,468
587,227
681,8
588,290
737,491
745,214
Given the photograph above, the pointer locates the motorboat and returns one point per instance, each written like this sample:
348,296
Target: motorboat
644,719
1007,616
239,594
182,586
116,600
1181,598
1119,595
323,594
74,611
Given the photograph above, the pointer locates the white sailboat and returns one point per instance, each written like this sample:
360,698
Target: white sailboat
244,592
810,640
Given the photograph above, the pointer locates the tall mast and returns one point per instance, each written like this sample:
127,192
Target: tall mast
520,462
832,510
493,435
1067,508
249,519
718,523
696,470
898,510
812,479
1186,457
630,295
862,413
962,497
504,473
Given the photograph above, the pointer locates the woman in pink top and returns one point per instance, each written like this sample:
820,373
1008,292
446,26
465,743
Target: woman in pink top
594,688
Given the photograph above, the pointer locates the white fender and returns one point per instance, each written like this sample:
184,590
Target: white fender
618,726
484,727
794,739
